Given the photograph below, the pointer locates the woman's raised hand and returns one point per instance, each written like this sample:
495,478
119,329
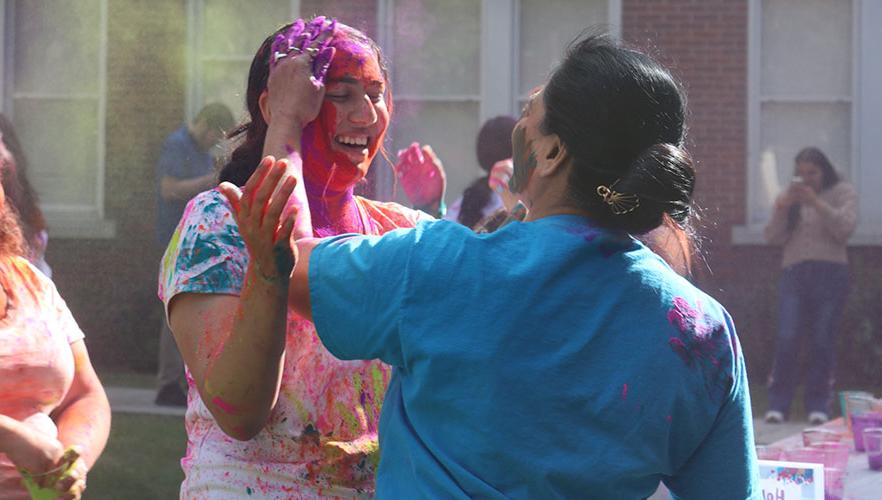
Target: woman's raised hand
299,61
258,211
422,175
500,175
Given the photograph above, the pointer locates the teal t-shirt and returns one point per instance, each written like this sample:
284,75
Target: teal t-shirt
550,359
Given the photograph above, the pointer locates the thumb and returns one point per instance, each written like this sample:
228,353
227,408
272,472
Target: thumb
234,195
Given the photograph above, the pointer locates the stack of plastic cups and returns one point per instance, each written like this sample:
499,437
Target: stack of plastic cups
856,403
862,421
843,404
834,457
765,452
873,445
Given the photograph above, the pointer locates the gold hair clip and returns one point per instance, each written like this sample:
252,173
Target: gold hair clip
619,203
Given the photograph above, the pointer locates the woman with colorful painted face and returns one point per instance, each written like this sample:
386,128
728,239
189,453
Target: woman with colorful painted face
592,367
54,415
812,220
271,412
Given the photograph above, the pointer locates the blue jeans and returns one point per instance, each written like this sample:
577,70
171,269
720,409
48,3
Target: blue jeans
812,297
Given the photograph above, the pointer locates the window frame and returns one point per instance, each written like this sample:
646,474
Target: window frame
78,221
752,233
500,34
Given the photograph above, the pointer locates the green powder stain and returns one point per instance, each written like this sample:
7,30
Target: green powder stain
249,490
347,416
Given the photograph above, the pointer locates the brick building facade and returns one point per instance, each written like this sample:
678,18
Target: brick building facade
154,78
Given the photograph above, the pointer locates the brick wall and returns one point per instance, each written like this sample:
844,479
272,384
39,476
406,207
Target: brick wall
704,42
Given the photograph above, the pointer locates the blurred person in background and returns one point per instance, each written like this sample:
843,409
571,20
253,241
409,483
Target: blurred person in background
54,415
479,200
186,167
22,199
271,412
812,220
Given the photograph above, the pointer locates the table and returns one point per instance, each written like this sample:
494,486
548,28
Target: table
861,482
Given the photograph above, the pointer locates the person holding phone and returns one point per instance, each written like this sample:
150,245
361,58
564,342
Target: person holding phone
812,220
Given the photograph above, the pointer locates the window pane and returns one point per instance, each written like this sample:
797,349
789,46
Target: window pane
450,128
57,47
60,136
806,47
437,47
226,82
238,28
787,128
547,26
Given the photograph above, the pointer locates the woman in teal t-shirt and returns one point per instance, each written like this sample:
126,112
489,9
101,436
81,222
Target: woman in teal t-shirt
591,368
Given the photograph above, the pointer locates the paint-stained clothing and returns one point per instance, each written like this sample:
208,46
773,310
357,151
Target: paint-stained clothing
321,437
550,359
36,360
182,159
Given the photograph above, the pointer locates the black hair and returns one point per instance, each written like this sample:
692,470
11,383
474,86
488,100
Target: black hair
20,194
621,117
492,145
247,155
217,116
829,177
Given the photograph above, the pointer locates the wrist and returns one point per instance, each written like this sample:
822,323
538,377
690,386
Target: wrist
267,279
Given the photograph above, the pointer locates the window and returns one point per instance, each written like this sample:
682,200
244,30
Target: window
54,91
453,64
809,71
223,36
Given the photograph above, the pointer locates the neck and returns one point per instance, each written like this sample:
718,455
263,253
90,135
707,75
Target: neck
333,212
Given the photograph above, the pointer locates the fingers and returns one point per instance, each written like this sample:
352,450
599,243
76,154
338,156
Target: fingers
279,200
255,181
322,62
283,235
262,198
233,195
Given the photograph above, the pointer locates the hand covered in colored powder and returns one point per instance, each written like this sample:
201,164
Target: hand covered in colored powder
299,61
67,480
421,175
500,175
258,211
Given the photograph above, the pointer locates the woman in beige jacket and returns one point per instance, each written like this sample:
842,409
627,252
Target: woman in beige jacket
813,220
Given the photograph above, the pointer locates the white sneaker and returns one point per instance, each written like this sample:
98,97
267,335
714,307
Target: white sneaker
818,418
774,417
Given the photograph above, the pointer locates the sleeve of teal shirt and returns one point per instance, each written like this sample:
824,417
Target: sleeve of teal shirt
357,285
724,466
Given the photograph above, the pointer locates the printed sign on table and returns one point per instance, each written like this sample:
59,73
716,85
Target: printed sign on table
791,480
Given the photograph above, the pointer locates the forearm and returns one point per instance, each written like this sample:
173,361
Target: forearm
284,141
10,429
840,222
241,382
85,423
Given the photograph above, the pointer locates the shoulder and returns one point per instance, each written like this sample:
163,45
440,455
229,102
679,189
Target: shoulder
207,220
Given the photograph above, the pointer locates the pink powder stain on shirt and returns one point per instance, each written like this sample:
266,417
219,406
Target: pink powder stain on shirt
624,391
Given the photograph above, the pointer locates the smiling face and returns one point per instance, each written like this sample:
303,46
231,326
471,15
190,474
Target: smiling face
340,144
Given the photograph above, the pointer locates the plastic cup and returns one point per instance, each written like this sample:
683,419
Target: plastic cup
835,455
834,483
764,452
843,395
805,454
873,444
854,404
816,435
862,421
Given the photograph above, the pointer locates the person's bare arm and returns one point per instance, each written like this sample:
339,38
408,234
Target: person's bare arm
83,418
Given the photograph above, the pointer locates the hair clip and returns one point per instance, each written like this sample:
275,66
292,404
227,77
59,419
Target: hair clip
619,203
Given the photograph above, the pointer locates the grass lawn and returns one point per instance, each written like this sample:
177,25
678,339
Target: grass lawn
142,459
